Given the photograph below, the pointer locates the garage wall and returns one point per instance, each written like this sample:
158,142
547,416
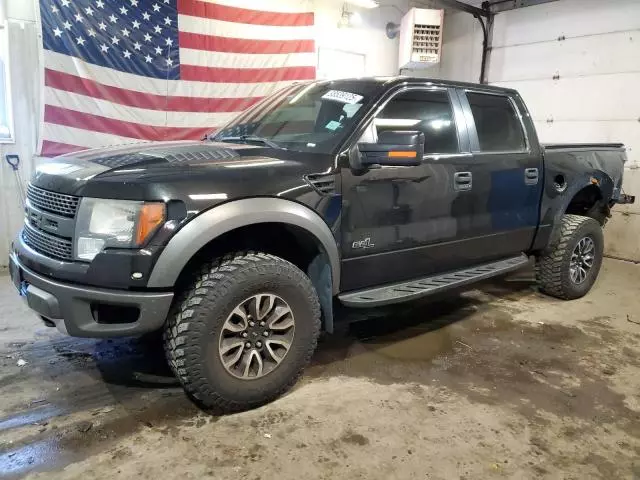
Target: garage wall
25,92
596,66
369,42
461,50
577,65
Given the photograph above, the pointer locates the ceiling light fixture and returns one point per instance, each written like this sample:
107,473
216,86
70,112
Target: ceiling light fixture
349,18
355,19
364,3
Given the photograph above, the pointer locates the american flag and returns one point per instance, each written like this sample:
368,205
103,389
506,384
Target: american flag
118,71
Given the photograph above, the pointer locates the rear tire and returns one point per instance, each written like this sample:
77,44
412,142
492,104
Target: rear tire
569,268
205,323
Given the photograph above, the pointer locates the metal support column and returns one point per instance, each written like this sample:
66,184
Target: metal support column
487,37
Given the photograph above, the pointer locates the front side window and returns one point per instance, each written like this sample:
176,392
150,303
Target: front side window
428,111
497,123
313,117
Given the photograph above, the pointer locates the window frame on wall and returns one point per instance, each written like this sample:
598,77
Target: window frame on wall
6,106
464,94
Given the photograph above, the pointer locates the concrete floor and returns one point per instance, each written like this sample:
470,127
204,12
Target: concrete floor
499,382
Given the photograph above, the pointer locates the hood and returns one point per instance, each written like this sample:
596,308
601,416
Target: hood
98,161
179,170
160,153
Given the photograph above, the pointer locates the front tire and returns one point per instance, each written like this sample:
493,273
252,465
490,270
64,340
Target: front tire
247,327
569,268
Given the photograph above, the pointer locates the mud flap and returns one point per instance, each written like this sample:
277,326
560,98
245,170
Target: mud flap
319,272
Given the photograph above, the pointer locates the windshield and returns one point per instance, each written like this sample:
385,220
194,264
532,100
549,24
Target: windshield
311,117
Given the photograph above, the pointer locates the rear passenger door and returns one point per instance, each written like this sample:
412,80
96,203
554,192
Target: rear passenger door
507,171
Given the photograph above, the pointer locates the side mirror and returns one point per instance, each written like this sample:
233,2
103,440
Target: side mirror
394,148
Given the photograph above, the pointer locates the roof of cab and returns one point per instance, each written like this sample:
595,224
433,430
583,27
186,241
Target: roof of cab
450,83
401,79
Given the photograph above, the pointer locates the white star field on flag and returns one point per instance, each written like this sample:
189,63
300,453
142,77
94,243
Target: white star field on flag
123,36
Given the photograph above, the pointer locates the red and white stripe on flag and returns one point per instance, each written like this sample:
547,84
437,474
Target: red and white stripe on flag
231,53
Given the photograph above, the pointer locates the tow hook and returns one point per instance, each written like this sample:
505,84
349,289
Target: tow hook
626,199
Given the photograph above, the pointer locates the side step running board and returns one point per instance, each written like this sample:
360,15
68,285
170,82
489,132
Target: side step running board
411,290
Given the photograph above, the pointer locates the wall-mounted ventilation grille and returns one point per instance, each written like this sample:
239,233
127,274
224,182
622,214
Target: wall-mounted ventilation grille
426,42
420,38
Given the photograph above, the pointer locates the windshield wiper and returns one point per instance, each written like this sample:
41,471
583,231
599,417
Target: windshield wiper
251,138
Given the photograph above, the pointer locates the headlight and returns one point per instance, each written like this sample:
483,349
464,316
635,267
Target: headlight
114,223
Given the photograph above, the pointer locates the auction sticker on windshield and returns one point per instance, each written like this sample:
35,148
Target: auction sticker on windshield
342,97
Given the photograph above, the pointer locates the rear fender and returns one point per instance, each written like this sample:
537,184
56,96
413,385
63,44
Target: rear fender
560,202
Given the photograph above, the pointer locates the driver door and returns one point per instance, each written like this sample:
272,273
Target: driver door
403,222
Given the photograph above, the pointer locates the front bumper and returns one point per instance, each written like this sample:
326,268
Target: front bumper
82,311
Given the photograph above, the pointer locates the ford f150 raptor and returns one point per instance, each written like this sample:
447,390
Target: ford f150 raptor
365,192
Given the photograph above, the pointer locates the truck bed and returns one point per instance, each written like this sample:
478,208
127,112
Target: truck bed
597,161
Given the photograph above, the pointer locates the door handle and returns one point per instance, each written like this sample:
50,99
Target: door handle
531,176
462,181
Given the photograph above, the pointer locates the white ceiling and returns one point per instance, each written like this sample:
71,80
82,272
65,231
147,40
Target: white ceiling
427,3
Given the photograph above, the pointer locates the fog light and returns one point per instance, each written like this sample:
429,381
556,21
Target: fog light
89,247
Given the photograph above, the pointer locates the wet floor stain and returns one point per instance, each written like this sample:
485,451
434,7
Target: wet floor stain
354,438
21,460
76,440
464,344
36,416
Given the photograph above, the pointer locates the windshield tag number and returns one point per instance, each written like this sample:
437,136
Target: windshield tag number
342,97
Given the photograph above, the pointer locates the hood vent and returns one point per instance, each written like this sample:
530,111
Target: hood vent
203,153
117,161
323,183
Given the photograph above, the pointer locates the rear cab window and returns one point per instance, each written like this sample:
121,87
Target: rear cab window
497,122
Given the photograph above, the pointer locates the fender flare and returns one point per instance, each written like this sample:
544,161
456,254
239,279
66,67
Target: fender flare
605,185
235,214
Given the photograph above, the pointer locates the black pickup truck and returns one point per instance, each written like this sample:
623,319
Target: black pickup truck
365,192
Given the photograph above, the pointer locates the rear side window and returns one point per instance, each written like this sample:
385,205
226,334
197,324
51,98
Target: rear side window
499,128
428,111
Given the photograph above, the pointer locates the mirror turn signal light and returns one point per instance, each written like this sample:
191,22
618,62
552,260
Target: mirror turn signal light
400,154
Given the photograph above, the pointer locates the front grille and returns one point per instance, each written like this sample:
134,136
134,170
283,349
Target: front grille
58,203
49,245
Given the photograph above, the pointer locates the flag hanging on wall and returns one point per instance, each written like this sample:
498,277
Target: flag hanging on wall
118,71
